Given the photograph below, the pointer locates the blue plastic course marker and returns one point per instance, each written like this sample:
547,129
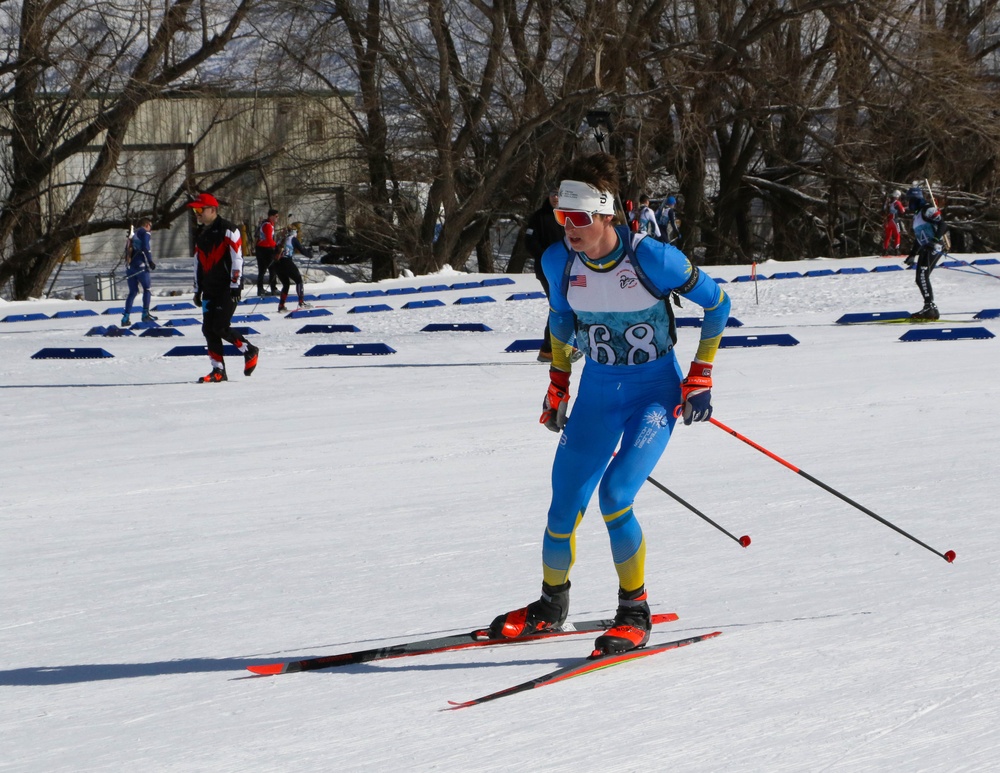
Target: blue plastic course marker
525,345
872,316
743,342
468,327
323,350
75,353
945,334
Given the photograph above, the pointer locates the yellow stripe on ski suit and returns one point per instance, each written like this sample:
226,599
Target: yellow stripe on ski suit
558,575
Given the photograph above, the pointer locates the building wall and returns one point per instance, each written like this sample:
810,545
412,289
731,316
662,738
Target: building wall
303,143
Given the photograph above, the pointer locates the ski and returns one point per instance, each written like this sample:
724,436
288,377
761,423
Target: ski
587,666
913,321
477,638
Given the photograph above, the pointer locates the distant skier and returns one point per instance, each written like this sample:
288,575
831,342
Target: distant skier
285,268
666,218
647,218
218,282
140,263
929,230
892,209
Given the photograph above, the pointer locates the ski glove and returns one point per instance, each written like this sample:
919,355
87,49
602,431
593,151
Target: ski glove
236,293
197,298
556,401
151,264
696,392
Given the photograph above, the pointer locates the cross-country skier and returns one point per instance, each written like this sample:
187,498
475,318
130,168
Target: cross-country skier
647,218
610,287
137,272
929,229
218,279
666,218
285,268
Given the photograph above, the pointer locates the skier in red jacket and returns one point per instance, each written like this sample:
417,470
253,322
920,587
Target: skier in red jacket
266,249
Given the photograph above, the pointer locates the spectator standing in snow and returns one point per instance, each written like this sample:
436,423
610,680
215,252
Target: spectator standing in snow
543,230
137,272
218,279
265,249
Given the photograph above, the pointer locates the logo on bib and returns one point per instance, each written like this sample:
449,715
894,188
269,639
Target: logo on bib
627,279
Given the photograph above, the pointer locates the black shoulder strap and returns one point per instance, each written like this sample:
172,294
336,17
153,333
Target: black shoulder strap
568,268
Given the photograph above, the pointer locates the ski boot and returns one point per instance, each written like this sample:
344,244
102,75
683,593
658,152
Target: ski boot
631,628
546,614
929,312
125,320
250,359
147,317
217,375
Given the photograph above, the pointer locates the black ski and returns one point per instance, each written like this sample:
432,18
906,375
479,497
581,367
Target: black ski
477,638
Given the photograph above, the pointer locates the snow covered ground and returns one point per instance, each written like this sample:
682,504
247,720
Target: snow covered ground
161,535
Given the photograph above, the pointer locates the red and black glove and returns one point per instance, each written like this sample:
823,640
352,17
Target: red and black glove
556,401
696,393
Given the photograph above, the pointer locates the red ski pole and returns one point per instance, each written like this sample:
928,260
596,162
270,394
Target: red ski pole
948,556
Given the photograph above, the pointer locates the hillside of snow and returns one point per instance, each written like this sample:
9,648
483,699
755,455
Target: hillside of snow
161,535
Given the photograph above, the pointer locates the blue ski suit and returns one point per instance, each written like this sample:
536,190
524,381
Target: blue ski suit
618,310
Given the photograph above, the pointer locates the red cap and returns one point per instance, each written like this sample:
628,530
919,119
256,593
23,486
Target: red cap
204,200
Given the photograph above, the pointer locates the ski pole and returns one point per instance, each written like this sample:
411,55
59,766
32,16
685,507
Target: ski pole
743,541
948,556
968,265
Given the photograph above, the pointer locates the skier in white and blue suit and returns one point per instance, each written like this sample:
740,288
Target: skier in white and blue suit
611,289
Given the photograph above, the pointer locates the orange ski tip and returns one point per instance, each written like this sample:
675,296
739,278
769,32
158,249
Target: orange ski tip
268,669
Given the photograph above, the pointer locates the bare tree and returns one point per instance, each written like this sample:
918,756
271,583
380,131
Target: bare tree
76,75
780,124
463,111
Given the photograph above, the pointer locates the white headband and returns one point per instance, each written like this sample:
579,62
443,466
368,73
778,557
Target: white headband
577,195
